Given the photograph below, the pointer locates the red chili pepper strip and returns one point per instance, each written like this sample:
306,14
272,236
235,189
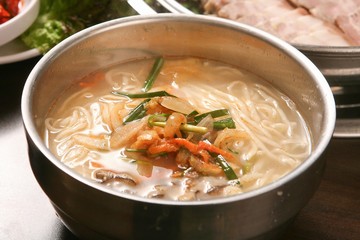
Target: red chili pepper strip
163,147
213,149
174,144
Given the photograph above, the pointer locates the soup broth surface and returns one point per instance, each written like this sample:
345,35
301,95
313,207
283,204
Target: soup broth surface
169,151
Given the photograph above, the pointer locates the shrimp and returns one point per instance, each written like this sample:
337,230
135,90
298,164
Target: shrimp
154,106
173,123
204,168
163,146
145,139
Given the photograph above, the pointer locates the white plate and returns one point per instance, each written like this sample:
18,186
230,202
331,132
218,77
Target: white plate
16,51
14,27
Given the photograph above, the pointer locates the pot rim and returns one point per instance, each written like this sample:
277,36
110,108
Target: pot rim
352,51
312,70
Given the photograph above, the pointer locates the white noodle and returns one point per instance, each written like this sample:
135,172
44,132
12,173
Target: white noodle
122,81
75,156
274,144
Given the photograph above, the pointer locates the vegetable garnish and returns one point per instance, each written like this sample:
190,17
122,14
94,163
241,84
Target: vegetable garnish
229,172
173,145
135,150
220,159
210,156
58,19
184,127
143,95
206,145
159,62
154,120
138,112
192,114
161,117
159,120
214,114
224,123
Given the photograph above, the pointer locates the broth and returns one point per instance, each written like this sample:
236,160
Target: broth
171,152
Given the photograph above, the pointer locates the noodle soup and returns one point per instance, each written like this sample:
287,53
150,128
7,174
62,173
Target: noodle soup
177,128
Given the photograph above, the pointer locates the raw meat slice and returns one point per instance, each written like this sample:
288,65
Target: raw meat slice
285,19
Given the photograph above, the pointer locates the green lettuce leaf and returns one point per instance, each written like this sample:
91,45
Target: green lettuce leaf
58,19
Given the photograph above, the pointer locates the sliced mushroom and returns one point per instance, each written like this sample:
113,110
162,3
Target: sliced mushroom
106,176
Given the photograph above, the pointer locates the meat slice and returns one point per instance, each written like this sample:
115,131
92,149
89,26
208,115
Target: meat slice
213,6
345,14
303,29
350,24
288,20
235,9
328,10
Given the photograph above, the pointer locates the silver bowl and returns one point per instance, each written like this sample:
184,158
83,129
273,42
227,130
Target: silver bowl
92,211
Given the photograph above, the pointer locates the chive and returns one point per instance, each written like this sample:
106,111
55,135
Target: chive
158,118
135,150
246,167
160,154
193,128
214,114
143,95
192,114
218,125
184,127
138,112
229,172
158,124
224,123
159,62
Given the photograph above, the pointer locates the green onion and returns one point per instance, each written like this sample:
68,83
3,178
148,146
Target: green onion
184,127
158,124
143,95
246,167
135,150
214,114
224,123
229,172
159,62
160,154
159,120
138,112
193,128
192,114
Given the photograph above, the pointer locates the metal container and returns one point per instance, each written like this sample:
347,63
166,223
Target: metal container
339,65
92,211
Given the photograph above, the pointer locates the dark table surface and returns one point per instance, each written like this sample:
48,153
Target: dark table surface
26,213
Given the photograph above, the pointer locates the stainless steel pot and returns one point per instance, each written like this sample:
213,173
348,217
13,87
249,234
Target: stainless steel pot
339,65
92,211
